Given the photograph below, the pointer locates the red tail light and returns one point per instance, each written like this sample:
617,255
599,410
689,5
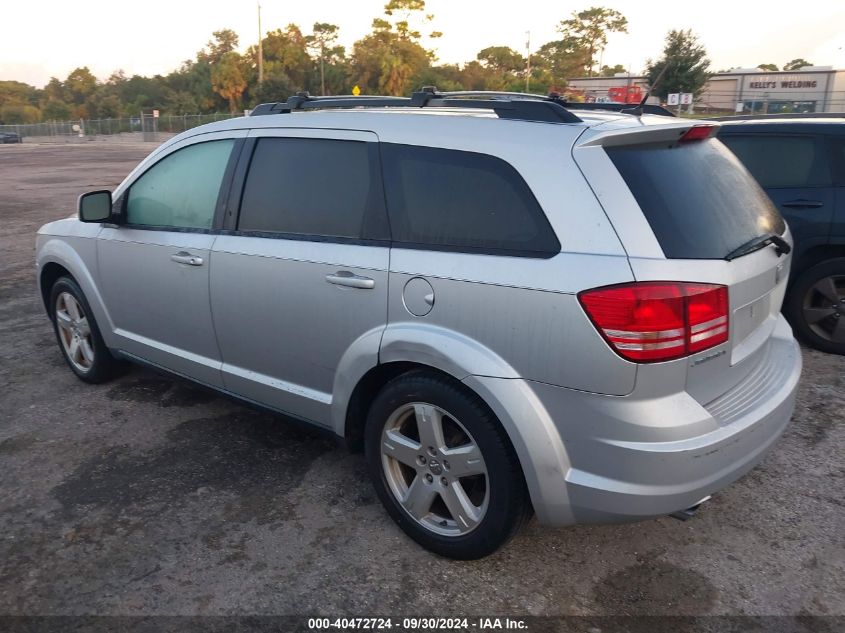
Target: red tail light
658,321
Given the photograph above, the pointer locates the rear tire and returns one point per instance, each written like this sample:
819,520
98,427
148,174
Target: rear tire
465,508
815,306
79,336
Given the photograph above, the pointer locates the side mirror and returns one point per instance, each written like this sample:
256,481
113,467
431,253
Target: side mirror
95,206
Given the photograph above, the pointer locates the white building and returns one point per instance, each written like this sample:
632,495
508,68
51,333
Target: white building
810,89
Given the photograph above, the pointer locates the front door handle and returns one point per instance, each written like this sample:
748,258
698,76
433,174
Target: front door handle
803,204
186,258
346,278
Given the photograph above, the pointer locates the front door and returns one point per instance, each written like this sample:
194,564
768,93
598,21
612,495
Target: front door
299,288
154,265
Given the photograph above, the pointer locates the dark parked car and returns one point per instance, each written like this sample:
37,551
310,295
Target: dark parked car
9,137
800,162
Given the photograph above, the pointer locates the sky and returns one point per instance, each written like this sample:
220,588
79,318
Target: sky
52,37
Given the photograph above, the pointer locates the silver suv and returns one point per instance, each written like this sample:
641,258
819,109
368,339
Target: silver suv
509,308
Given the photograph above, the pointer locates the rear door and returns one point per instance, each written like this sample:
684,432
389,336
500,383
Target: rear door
299,282
794,170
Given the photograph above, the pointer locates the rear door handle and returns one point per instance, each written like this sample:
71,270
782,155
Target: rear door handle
186,258
803,204
346,278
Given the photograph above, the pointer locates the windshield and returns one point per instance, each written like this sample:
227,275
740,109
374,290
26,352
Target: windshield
698,198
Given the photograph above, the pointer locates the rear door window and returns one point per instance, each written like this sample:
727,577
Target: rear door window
700,201
314,187
465,201
837,165
780,162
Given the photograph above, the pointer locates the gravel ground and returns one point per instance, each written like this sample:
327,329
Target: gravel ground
149,496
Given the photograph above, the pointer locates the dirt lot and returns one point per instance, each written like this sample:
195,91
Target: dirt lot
148,496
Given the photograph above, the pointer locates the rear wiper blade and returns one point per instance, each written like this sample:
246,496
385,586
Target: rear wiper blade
782,247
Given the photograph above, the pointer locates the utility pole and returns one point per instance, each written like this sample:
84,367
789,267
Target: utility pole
527,61
260,49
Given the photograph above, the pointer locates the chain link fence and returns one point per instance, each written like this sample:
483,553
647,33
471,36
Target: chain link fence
144,127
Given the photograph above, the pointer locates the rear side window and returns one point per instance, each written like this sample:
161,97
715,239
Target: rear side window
463,201
837,147
781,161
180,190
318,187
700,201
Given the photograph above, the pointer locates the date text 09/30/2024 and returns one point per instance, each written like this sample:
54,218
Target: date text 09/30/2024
416,624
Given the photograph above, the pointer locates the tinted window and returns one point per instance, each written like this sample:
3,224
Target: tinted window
837,166
700,201
780,161
181,189
458,199
312,187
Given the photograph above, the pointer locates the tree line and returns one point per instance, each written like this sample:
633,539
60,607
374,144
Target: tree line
394,58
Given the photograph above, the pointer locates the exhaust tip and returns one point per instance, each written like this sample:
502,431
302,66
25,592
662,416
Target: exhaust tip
688,513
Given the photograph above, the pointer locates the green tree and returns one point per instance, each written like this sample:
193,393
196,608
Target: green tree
17,92
506,67
285,51
78,87
590,28
193,79
610,71
770,67
407,14
686,65
322,42
796,64
19,113
391,56
560,59
53,110
222,42
227,79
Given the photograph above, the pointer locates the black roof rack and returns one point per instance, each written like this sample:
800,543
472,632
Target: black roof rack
507,105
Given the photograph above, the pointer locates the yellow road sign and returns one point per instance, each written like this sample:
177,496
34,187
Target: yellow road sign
356,90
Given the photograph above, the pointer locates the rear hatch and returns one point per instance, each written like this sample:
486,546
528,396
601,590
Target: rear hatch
686,210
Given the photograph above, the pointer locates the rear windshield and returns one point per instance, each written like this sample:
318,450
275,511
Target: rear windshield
700,201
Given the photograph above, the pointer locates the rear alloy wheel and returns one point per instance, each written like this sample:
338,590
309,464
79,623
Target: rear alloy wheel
816,306
444,467
435,469
78,335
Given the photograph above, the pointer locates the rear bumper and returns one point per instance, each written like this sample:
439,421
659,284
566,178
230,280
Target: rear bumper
602,476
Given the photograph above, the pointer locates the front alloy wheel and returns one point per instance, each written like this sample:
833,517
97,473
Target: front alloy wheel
74,332
78,335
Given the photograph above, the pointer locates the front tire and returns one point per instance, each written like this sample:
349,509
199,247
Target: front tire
78,335
443,466
815,306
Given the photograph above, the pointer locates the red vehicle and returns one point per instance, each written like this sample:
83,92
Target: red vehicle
625,94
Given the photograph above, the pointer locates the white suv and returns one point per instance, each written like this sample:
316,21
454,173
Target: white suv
508,307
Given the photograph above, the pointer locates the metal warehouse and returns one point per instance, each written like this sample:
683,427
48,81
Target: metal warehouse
810,89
